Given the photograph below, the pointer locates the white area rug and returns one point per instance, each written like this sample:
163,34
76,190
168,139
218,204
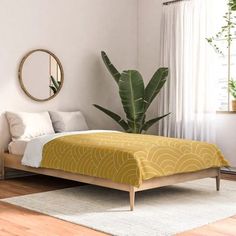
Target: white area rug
158,212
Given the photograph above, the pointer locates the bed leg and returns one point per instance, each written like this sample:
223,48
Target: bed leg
218,181
131,197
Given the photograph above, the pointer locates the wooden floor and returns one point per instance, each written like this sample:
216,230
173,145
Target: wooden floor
21,222
18,221
226,227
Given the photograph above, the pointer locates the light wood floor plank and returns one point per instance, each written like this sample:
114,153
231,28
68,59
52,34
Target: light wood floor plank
226,227
16,220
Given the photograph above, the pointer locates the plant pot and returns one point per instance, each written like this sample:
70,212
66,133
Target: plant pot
234,105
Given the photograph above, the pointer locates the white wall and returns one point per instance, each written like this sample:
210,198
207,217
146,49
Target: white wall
149,36
226,136
149,44
76,31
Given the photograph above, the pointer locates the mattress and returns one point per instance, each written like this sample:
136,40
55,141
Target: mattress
17,147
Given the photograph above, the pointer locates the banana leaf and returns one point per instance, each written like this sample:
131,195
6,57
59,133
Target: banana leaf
55,83
114,116
131,90
111,68
53,89
151,122
154,86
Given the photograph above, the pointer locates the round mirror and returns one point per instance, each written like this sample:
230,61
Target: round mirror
41,75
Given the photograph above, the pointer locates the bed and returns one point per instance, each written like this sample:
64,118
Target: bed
139,169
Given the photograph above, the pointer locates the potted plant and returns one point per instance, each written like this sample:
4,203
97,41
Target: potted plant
135,97
232,90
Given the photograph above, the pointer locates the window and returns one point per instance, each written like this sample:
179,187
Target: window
224,43
227,71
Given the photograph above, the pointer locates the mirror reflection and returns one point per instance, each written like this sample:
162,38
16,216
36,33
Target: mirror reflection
41,75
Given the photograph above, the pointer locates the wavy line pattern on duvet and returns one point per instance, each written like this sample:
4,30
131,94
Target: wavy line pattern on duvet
129,158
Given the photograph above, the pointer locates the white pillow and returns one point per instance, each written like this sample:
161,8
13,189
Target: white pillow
25,126
68,121
17,147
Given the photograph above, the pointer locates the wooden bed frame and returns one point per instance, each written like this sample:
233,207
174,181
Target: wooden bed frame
14,162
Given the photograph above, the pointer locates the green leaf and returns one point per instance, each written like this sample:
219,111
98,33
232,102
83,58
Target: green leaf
114,116
53,89
154,86
150,123
131,90
209,40
232,88
111,68
55,83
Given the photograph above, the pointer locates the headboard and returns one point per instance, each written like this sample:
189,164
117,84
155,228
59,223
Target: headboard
5,136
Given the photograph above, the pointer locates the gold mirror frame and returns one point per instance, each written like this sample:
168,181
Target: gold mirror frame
21,77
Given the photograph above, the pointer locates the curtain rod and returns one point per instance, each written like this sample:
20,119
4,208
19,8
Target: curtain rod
173,1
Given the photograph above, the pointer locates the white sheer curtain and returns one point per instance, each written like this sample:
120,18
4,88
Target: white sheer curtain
190,93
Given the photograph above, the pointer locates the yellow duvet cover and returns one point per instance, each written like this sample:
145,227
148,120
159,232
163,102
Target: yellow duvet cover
129,158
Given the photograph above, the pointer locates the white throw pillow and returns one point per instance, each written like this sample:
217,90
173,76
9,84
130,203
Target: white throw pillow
68,121
17,147
25,126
